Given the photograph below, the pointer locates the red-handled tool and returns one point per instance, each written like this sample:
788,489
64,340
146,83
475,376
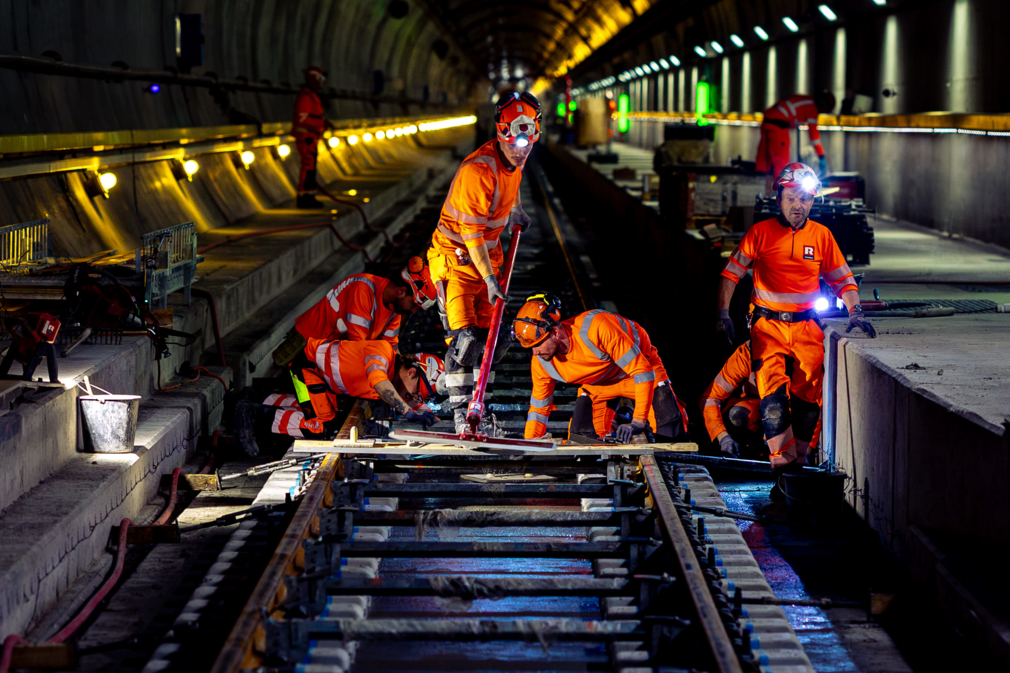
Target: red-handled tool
475,412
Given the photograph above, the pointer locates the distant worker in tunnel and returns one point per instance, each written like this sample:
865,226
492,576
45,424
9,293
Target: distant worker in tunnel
789,254
611,357
466,254
308,126
774,148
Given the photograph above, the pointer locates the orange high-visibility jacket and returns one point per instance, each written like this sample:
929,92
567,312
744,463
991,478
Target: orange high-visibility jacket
604,351
795,110
734,374
309,117
353,368
788,264
477,207
352,311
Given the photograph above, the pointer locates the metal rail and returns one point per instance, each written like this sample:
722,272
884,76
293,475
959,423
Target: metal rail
24,243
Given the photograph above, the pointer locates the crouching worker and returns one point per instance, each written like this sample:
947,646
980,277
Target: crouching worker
327,373
610,357
731,407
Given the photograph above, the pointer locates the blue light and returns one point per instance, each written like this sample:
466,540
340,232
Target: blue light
155,88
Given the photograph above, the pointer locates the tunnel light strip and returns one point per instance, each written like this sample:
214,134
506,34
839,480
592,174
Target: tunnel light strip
447,123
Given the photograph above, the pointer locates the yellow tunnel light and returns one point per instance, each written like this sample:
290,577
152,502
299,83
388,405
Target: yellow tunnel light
412,129
333,141
390,133
398,132
283,151
190,167
352,192
380,135
352,140
108,181
247,159
367,137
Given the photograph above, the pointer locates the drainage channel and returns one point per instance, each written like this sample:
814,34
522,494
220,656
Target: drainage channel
443,559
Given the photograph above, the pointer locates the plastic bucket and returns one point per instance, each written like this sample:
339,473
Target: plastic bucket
109,422
814,497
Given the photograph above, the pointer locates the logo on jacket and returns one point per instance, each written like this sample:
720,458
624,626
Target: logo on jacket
808,252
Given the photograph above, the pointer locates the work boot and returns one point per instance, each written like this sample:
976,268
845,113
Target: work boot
489,426
308,201
246,414
777,494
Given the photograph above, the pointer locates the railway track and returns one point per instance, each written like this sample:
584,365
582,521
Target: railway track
403,558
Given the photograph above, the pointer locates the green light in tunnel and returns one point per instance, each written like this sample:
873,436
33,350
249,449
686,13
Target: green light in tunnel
623,107
571,105
623,103
703,102
561,109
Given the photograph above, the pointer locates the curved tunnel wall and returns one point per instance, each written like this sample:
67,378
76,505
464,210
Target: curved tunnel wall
257,39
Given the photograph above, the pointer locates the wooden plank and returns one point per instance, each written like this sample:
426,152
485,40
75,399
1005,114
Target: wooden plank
45,655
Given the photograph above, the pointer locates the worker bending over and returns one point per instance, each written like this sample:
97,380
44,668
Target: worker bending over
789,254
308,126
466,253
774,148
731,405
610,357
332,370
362,307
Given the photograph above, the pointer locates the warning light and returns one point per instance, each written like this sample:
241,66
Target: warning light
352,192
108,181
154,88
399,132
572,105
283,151
623,107
561,109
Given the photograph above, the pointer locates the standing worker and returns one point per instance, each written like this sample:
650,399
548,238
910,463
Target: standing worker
308,126
774,149
465,254
788,254
610,357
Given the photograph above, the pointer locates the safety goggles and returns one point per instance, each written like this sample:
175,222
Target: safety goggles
524,97
541,330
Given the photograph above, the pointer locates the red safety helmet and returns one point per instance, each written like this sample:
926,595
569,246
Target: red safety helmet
419,279
535,319
798,175
433,382
317,72
517,118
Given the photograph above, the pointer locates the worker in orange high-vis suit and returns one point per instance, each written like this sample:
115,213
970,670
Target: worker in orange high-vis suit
788,255
774,148
731,405
466,253
610,357
308,126
369,370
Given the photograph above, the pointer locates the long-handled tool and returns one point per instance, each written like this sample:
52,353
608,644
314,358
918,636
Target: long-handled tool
476,410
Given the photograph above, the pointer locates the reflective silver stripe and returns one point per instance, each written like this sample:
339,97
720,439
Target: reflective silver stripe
723,383
464,218
534,402
499,223
391,332
840,272
783,110
815,142
710,402
471,237
792,108
375,367
741,259
613,374
450,234
552,371
328,361
458,380
358,320
334,295
587,322
644,377
341,326
628,357
379,358
735,269
787,297
533,416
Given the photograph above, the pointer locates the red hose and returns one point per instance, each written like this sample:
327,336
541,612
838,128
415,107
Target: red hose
213,375
86,611
173,500
8,651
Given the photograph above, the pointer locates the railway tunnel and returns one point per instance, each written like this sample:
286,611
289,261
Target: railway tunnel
194,481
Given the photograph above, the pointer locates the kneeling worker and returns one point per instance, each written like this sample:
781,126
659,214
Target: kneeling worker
731,405
788,254
611,357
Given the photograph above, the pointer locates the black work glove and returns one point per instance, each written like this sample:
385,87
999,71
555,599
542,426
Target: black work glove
857,319
425,418
626,431
520,217
724,324
729,446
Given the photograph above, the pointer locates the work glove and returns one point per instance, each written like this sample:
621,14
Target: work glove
857,319
520,217
494,290
725,324
625,432
729,446
822,167
425,418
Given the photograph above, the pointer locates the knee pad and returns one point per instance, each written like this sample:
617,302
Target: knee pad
805,416
738,416
664,405
775,416
466,346
582,417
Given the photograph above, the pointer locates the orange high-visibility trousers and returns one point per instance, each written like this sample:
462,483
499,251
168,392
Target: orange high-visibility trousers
772,341
462,292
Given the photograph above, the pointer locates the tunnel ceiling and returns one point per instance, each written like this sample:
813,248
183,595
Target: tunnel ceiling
512,39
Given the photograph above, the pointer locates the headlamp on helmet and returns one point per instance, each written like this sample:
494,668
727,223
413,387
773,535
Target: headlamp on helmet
517,118
534,321
418,277
797,175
